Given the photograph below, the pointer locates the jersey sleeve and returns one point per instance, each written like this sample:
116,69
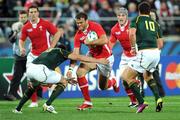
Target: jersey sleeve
65,53
113,38
133,23
77,43
23,34
99,29
51,28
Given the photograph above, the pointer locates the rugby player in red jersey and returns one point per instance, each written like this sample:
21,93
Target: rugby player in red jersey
39,32
98,49
119,32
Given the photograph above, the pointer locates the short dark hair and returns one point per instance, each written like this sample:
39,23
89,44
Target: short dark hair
81,15
22,12
144,8
33,6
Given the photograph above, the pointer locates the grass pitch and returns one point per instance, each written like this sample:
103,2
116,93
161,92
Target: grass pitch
103,110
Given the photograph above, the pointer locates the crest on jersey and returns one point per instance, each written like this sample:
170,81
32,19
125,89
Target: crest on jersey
118,33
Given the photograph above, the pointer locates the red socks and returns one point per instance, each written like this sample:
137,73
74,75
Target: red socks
83,84
131,95
111,82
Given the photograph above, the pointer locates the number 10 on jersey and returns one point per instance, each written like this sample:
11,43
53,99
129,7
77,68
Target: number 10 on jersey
150,25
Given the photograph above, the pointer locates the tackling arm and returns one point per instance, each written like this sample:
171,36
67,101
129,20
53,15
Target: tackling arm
87,59
56,37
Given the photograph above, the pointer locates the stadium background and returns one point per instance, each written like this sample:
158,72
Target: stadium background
62,13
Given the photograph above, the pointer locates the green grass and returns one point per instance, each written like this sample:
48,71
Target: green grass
102,110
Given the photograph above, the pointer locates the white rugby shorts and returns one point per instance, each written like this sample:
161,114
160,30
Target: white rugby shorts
145,60
124,62
42,74
105,70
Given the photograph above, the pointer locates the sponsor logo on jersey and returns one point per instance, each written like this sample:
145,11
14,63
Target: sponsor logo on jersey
172,75
29,30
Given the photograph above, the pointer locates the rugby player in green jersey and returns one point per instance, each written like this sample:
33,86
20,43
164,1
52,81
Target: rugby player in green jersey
42,71
144,32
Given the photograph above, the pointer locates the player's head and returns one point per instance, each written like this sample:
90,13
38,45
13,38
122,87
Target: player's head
81,21
144,8
33,12
122,15
23,17
153,15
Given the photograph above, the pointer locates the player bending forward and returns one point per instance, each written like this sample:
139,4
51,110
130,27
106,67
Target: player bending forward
41,71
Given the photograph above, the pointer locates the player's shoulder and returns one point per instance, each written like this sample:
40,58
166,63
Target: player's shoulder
77,34
115,27
44,21
27,25
93,23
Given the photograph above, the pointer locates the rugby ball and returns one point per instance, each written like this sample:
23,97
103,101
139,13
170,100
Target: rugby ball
92,35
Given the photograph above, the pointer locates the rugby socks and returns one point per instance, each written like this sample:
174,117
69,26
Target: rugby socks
152,84
141,78
28,93
135,89
131,95
83,84
34,97
158,82
56,92
129,92
111,82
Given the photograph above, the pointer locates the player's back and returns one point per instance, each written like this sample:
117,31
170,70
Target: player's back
146,32
52,57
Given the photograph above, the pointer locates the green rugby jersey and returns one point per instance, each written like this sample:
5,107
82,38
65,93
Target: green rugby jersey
52,57
147,32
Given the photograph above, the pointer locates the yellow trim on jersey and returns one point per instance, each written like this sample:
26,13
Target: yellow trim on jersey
137,19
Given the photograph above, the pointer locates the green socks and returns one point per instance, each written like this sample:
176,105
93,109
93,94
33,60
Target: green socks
134,87
56,92
153,86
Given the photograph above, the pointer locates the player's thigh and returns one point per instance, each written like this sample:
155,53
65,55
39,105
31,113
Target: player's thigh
129,74
105,69
124,63
53,77
84,68
36,72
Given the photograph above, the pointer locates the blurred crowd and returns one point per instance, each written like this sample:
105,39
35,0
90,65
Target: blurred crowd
62,12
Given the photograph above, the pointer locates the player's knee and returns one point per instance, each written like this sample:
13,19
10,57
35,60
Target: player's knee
80,72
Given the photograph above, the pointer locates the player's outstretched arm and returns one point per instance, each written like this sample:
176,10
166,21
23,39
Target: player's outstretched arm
87,59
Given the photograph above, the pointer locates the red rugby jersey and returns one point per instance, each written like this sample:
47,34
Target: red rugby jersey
122,35
39,35
96,51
